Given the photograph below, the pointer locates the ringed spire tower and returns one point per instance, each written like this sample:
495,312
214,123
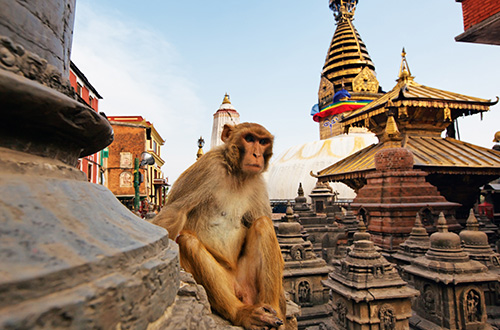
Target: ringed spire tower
226,114
348,80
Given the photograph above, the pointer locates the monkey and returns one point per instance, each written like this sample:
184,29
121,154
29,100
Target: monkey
218,212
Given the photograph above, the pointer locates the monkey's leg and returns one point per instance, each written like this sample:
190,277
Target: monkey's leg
219,282
260,269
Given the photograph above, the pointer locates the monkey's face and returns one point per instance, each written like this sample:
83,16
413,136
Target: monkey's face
256,149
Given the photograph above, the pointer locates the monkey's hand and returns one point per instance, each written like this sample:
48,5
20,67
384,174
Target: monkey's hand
257,317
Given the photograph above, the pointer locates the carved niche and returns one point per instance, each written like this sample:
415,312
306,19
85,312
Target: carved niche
472,306
341,314
387,317
304,293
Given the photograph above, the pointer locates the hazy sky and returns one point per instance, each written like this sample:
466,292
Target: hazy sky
171,62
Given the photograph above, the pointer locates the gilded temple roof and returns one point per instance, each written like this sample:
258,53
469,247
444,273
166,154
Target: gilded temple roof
409,94
435,154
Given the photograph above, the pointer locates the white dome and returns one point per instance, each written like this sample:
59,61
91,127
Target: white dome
294,165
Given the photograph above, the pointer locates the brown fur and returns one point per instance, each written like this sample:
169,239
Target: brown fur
218,210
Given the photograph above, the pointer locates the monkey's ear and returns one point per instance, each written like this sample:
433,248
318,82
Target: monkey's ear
226,132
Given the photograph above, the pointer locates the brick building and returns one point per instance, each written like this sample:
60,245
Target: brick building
91,165
481,21
133,136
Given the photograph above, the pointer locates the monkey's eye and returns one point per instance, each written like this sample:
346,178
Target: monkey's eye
263,142
250,138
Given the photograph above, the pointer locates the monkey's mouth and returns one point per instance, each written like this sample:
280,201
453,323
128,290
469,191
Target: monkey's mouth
254,166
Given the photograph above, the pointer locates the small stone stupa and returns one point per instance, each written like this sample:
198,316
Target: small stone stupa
451,285
316,225
303,273
366,290
415,246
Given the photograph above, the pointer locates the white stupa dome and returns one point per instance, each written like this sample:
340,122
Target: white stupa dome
295,164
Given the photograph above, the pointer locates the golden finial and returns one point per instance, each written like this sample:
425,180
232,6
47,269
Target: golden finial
201,143
226,99
391,129
497,137
391,133
404,69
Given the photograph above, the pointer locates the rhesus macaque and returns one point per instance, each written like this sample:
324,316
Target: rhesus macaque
218,212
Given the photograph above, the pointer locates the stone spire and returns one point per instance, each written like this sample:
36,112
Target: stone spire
417,244
475,243
226,114
371,283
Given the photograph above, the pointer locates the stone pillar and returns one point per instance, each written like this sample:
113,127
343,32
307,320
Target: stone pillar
71,255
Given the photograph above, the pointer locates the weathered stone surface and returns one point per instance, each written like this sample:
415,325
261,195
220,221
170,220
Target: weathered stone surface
73,256
451,284
42,27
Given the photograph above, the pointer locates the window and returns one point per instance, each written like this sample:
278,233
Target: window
79,89
154,147
91,101
89,172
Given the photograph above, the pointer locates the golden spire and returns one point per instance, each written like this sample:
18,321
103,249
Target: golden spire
347,55
404,69
226,99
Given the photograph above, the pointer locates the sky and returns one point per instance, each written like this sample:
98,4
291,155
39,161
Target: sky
172,61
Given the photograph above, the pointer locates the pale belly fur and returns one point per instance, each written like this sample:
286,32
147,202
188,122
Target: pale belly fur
225,232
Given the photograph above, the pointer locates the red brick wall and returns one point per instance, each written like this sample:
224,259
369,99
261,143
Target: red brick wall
476,11
127,139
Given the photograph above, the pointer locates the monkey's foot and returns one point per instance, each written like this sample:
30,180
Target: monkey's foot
257,317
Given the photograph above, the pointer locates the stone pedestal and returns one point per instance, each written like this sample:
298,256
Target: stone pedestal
303,274
367,292
451,285
72,256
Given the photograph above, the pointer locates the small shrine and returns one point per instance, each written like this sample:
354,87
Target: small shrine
421,113
451,285
475,243
316,225
416,245
321,195
395,192
303,273
366,290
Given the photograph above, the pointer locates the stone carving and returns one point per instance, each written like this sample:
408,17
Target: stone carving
304,292
387,317
429,299
297,252
473,306
14,58
342,314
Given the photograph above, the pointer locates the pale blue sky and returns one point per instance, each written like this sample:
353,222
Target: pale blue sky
172,61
